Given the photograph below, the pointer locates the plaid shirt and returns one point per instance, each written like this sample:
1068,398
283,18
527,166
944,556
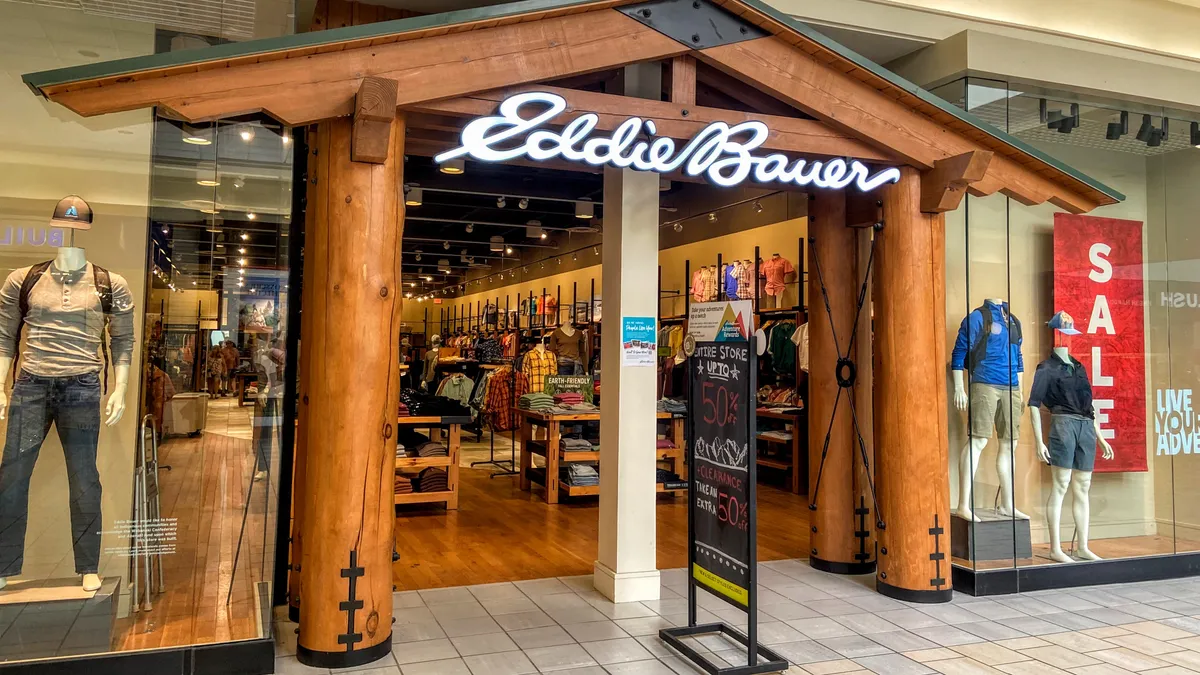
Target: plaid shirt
536,366
505,387
745,274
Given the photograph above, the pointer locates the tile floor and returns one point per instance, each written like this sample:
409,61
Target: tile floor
823,624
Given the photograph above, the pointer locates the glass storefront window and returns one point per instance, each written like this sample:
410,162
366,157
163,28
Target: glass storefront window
1100,421
182,551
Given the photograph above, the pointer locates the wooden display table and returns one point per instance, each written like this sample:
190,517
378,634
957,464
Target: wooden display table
797,467
555,458
453,427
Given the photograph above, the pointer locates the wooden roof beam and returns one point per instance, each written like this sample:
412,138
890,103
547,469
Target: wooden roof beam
788,134
317,86
374,112
944,186
858,109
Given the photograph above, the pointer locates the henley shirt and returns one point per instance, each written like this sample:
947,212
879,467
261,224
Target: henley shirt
65,322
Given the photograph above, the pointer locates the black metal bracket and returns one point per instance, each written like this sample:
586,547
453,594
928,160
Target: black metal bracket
937,556
699,24
846,375
862,533
352,604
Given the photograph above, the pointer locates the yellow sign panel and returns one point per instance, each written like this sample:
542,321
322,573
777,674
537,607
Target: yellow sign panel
720,586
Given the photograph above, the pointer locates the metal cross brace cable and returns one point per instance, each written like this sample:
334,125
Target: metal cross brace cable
845,381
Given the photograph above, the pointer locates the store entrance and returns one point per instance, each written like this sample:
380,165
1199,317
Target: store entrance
503,275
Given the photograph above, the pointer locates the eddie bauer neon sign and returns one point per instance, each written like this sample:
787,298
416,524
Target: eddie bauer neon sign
714,152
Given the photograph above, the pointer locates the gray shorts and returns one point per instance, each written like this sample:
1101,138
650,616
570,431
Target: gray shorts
1072,442
996,409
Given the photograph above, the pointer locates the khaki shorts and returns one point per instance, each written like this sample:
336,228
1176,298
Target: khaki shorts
996,408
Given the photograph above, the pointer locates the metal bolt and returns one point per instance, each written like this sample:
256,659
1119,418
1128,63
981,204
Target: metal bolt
383,292
306,399
349,199
883,575
814,529
814,551
696,38
696,4
646,13
883,550
744,30
685,112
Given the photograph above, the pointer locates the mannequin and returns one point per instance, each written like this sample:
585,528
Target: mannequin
570,347
1061,386
778,272
994,402
537,364
429,369
59,383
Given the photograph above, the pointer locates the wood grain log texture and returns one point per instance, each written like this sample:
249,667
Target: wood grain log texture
912,470
831,437
374,111
352,262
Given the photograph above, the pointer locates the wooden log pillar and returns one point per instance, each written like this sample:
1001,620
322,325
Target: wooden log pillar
832,441
912,470
300,461
352,264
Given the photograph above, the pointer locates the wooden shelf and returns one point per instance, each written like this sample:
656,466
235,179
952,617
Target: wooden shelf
580,456
421,462
578,490
427,497
772,439
774,463
408,420
659,487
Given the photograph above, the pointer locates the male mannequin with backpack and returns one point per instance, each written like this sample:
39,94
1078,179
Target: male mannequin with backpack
988,348
71,307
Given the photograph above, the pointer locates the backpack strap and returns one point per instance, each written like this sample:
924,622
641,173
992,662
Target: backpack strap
27,284
979,349
103,282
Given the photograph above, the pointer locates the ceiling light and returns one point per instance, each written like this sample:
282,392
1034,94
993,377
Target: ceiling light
712,217
500,202
418,256
523,204
443,265
240,284
525,269
558,260
508,250
241,273
1145,131
496,244
595,250
209,182
678,227
239,182
244,236
428,278
533,229
286,137
415,197
210,212
242,262
251,216
1114,131
454,167
247,133
446,245
195,284
542,235
758,207
166,230
408,295
575,257
412,284
585,210
1196,134
1156,139
196,135
470,228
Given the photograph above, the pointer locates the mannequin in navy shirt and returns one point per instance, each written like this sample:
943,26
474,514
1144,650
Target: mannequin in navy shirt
994,402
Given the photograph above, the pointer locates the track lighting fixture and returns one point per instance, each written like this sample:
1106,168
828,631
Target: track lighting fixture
1195,140
712,217
1165,131
414,197
523,204
585,210
247,133
558,260
1063,124
525,269
678,227
446,245
758,207
496,244
418,256
1043,111
542,235
470,228
595,250
575,257
454,167
501,202
508,250
1156,138
1146,130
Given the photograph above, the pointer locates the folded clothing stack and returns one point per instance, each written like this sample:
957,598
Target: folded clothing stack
777,435
664,444
420,404
403,410
432,449
431,480
575,445
664,476
568,398
404,485
536,401
409,438
670,405
579,475
401,451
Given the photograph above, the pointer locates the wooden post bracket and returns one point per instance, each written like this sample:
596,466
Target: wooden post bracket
683,81
943,186
374,112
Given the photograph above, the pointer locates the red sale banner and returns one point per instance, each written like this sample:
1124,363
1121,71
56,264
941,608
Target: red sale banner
1099,280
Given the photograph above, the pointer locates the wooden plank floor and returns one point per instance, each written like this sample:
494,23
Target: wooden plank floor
206,491
500,533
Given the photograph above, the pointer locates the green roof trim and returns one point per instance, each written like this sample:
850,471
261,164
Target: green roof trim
37,81
929,97
136,64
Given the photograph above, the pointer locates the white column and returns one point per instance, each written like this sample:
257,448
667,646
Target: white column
627,569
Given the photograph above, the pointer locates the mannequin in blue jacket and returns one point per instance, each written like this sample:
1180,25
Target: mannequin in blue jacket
994,401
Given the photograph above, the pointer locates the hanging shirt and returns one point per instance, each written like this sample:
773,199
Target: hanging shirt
731,281
775,269
800,339
539,363
698,285
709,284
745,283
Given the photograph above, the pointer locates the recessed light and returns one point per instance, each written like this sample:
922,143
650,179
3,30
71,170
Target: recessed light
247,133
415,197
585,210
209,182
287,138
88,53
245,236
454,167
251,216
508,250
242,251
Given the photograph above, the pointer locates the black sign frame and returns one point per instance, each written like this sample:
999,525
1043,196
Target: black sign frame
674,637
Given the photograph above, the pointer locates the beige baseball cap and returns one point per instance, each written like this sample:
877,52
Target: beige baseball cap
72,212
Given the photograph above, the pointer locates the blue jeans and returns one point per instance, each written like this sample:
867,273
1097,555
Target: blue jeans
72,404
266,423
569,366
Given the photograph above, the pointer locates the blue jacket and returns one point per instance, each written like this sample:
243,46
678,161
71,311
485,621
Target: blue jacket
1003,359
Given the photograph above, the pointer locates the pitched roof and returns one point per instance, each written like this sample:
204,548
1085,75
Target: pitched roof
50,83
